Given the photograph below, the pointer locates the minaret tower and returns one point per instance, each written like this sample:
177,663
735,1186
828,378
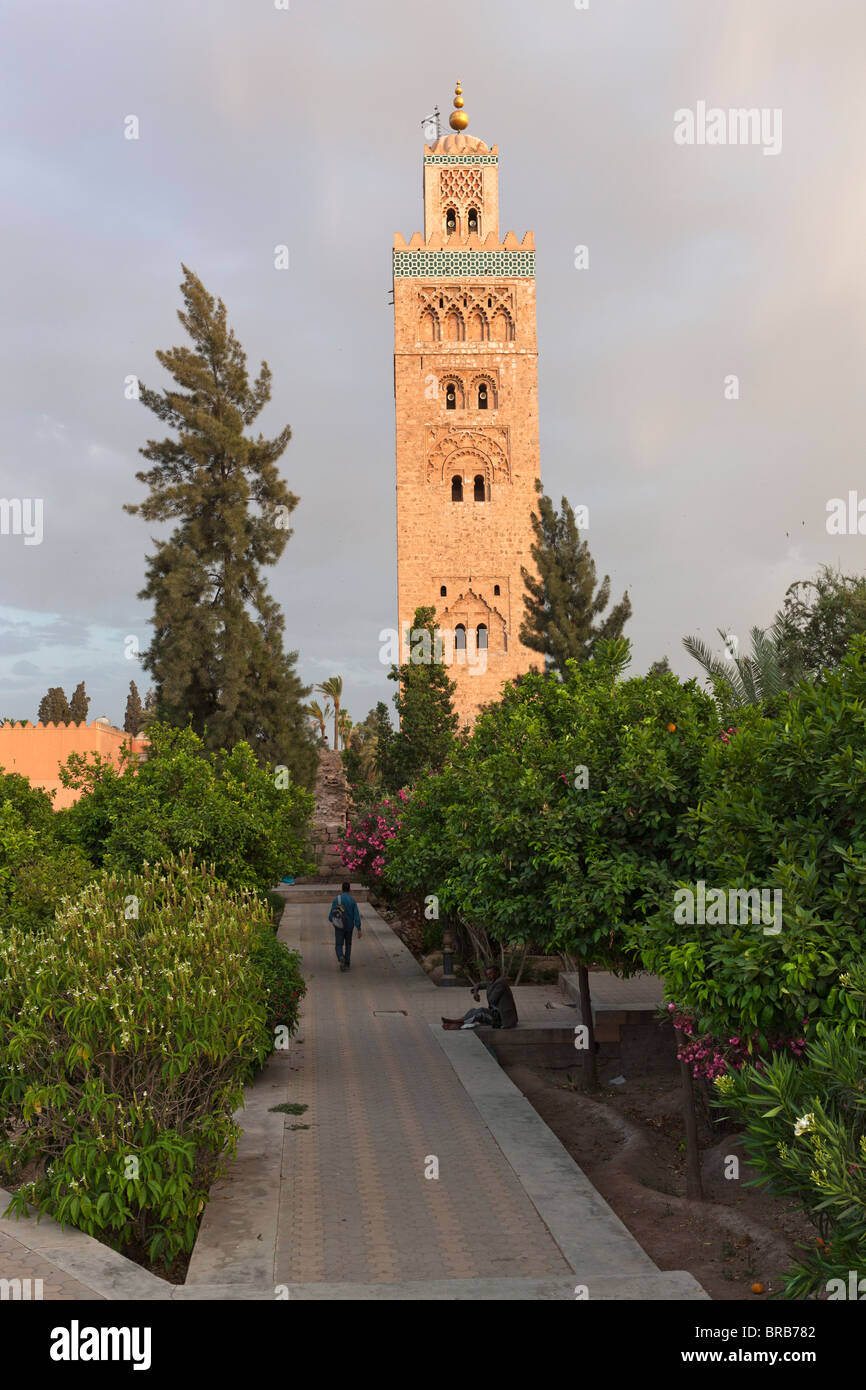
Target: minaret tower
465,383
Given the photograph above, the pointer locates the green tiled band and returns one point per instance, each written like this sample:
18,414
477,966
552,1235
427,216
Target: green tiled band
454,264
461,159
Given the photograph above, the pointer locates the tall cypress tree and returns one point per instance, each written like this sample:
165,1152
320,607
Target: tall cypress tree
79,705
54,707
561,605
217,657
428,722
134,719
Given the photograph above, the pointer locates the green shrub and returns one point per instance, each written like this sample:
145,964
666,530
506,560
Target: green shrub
36,869
250,822
280,969
127,1029
782,807
806,1134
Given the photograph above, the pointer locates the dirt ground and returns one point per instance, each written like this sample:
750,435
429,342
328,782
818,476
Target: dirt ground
629,1141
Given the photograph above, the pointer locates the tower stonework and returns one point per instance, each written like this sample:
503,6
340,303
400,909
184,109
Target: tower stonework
465,385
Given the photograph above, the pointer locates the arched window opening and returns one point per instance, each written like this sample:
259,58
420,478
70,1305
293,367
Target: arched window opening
496,590
481,637
460,638
472,220
456,488
489,303
443,592
450,396
480,490
482,396
441,302
450,221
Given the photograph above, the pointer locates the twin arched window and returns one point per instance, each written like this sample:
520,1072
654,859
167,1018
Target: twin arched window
480,637
479,488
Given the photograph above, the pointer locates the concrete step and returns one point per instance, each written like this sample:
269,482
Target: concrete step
314,891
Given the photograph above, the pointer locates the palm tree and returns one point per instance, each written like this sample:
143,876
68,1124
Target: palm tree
319,715
345,725
333,688
745,679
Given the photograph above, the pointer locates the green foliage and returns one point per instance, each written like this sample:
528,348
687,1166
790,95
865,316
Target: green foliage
562,610
36,871
280,969
557,821
805,1133
225,809
742,679
818,620
79,705
217,654
54,707
135,717
36,868
783,806
428,723
127,1028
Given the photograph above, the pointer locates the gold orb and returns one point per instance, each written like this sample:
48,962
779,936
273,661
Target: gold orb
459,120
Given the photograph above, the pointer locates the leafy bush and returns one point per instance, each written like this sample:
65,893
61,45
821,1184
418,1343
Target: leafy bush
223,808
365,840
127,1028
557,822
280,970
36,868
806,1134
783,806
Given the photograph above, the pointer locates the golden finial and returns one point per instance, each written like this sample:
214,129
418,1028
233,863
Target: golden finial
459,119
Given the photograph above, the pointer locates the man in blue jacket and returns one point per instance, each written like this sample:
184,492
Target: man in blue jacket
345,918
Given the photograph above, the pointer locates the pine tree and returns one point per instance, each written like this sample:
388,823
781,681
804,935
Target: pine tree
217,656
561,605
54,707
133,721
428,722
79,705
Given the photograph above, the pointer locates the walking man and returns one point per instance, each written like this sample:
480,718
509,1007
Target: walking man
501,1011
345,918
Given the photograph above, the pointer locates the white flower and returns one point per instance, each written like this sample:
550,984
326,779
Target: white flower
804,1124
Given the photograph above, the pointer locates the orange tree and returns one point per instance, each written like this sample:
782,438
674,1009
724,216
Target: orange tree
557,821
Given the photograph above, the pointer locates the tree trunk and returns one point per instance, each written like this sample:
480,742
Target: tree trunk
590,1072
694,1187
522,963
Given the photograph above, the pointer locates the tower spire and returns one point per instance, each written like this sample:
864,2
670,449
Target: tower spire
459,119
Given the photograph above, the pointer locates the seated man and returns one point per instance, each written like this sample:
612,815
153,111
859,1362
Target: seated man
501,1011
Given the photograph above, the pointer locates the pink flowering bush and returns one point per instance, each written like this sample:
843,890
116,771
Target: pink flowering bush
711,1057
364,844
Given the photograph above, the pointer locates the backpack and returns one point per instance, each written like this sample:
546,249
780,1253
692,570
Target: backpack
337,917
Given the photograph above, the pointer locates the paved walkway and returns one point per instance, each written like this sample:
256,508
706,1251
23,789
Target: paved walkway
392,1098
345,1209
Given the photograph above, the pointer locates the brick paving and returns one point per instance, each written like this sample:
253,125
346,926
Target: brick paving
384,1101
18,1262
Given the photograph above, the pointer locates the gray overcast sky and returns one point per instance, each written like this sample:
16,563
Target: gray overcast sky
261,126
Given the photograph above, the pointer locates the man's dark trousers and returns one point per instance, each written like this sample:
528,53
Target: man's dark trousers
343,943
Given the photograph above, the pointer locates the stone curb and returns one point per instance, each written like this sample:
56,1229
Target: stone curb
107,1273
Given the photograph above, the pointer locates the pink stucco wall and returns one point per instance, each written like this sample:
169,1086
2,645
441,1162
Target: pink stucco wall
37,750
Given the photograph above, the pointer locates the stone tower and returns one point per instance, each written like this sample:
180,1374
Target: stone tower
465,385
